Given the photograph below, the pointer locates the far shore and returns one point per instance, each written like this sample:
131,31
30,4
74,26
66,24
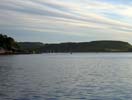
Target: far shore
18,53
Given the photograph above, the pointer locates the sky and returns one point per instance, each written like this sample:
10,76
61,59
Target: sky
56,21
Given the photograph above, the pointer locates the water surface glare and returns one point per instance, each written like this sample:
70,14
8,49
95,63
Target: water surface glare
77,76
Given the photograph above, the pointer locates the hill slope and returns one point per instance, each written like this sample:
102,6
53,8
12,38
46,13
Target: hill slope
9,45
30,46
94,46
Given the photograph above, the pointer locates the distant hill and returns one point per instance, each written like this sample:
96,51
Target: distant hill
94,46
30,46
9,45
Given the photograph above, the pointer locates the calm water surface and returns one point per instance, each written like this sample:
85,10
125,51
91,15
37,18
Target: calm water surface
84,76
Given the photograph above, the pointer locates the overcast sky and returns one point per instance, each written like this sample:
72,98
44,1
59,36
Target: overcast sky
66,20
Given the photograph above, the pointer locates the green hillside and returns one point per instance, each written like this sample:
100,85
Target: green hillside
30,46
8,44
94,46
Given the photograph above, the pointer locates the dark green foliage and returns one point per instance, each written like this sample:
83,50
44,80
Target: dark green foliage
30,46
7,43
94,46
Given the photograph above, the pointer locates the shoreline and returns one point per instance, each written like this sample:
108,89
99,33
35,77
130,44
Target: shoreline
57,53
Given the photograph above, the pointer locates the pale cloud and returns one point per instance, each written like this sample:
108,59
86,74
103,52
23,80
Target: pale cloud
69,17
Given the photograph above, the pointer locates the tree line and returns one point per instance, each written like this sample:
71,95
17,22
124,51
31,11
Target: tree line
8,43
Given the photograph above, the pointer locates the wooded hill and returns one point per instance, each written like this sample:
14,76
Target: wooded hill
94,46
9,44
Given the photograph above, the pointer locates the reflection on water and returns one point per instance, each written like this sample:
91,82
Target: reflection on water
86,76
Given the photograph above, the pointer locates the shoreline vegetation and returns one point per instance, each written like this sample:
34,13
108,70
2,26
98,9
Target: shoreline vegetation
9,46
